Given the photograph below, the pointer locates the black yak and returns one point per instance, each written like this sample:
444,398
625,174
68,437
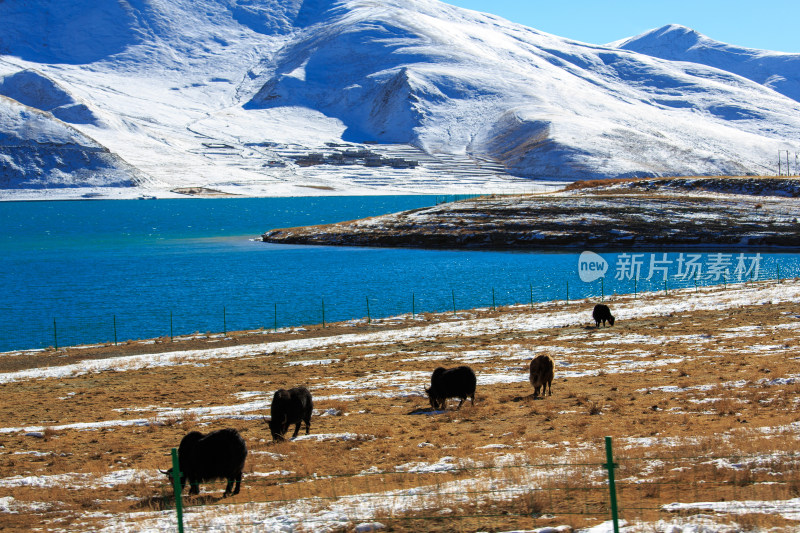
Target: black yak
289,407
541,374
218,455
456,382
602,314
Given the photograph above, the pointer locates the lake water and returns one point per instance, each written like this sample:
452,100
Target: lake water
84,272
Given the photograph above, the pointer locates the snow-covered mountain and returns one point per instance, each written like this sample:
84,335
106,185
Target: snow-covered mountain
229,94
777,70
38,151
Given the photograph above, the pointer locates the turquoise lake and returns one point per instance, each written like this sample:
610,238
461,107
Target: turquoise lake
85,272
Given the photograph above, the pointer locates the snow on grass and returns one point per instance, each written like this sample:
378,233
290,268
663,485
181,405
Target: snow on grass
320,437
322,515
410,384
10,505
789,509
313,362
545,317
82,481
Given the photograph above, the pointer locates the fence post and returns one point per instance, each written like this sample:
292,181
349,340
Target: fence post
176,484
568,291
602,290
55,334
224,322
453,293
494,303
612,486
115,329
170,326
323,312
531,286
369,319
413,306
275,318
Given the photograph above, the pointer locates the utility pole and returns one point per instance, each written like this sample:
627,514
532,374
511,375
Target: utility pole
788,164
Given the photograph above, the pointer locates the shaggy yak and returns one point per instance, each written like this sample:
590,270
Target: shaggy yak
218,455
289,407
602,314
542,369
456,382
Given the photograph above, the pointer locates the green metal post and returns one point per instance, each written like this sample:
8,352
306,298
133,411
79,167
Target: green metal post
275,318
176,483
413,306
224,322
453,293
170,326
494,304
666,290
778,271
602,290
635,286
55,334
369,319
567,291
323,312
695,282
531,287
612,486
115,329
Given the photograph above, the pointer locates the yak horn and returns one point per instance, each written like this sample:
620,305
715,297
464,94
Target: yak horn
163,471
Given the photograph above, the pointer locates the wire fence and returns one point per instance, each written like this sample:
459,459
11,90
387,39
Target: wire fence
620,488
634,274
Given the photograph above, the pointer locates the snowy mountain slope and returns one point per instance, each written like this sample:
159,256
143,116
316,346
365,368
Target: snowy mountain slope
453,80
776,70
33,89
39,151
208,92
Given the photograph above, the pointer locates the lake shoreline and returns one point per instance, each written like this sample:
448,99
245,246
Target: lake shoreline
605,218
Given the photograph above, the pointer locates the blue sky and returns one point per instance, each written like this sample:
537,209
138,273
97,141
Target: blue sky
765,24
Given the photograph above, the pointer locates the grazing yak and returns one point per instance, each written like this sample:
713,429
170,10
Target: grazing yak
289,407
456,382
602,314
217,455
542,369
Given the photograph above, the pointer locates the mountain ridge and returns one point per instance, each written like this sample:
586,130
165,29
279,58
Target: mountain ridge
166,82
777,70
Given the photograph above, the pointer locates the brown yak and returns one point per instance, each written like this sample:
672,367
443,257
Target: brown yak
542,369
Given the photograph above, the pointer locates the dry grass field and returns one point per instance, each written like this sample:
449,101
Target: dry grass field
698,390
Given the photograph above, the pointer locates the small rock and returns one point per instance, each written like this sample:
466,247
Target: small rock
368,527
